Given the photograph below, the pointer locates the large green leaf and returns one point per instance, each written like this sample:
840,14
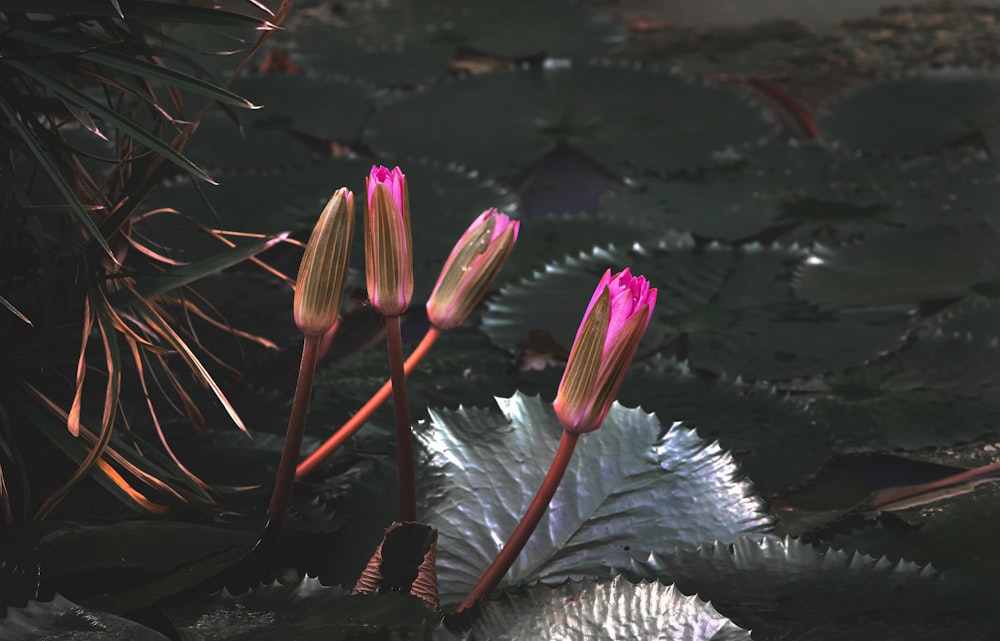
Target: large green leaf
726,310
774,439
499,122
937,391
920,112
955,531
785,588
614,609
904,268
629,486
304,611
63,620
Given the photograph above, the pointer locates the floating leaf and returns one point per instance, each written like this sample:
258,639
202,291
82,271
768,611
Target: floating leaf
921,112
304,611
500,121
785,588
774,440
937,391
63,620
725,310
618,609
951,532
628,486
904,268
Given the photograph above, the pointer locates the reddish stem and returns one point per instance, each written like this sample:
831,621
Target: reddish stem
282,492
404,434
491,578
361,417
974,474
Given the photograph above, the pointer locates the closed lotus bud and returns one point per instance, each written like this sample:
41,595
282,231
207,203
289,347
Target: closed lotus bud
605,344
471,268
320,284
388,245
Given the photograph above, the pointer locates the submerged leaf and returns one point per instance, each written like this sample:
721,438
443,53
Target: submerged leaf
629,486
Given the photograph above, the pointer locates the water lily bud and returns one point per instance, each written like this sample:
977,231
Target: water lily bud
471,268
605,344
320,284
388,244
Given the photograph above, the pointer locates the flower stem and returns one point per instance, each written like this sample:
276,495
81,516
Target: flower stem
404,435
975,474
491,578
293,438
361,417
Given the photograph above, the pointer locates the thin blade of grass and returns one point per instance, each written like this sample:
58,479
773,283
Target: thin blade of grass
129,64
73,418
112,117
156,321
54,174
181,276
137,10
140,368
13,310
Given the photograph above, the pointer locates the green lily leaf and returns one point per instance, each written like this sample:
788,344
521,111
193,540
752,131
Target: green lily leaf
937,391
63,620
618,609
952,533
500,121
774,440
13,310
304,611
725,310
629,486
920,112
904,268
783,589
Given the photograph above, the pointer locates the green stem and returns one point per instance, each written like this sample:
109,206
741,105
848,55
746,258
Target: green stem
491,578
404,436
282,493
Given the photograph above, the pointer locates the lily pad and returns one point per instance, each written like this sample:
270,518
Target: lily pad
952,532
619,609
628,486
783,588
920,112
904,268
774,440
725,310
937,391
499,122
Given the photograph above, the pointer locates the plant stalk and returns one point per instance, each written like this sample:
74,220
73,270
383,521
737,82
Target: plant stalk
491,578
975,474
404,435
282,492
361,417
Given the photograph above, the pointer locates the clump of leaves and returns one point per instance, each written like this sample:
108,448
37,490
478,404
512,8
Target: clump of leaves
96,105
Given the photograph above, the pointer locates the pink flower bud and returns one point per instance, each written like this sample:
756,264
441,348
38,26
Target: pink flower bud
388,243
605,344
320,283
471,268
